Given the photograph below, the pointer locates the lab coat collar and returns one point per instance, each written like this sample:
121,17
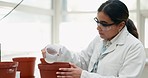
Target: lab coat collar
118,40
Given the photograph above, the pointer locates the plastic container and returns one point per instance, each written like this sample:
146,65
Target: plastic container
26,66
49,70
8,69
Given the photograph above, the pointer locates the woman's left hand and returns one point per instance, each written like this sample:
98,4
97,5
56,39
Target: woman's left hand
73,72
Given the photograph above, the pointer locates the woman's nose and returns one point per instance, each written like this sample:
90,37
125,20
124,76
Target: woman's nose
99,28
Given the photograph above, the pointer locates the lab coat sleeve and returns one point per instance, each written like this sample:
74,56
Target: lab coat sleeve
81,59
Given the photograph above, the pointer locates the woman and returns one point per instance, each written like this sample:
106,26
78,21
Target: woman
119,54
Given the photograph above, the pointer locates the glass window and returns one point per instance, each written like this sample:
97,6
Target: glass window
24,32
133,17
83,5
146,34
131,4
143,4
11,1
78,31
93,5
80,17
4,11
46,4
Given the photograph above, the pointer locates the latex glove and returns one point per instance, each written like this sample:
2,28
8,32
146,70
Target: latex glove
51,53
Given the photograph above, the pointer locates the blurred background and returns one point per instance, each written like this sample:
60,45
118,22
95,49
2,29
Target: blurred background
35,23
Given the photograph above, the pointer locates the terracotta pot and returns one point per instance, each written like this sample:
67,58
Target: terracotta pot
49,70
43,61
26,66
8,69
28,77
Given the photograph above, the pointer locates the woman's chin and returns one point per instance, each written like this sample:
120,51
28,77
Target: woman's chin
102,36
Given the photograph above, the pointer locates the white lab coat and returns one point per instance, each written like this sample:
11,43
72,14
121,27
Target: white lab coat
125,58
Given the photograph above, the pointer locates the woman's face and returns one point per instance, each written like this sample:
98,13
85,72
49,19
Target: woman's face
106,32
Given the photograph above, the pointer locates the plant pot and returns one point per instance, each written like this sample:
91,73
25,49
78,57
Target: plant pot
8,69
43,61
28,77
26,66
49,70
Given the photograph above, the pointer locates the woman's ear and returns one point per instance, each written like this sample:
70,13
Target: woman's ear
121,25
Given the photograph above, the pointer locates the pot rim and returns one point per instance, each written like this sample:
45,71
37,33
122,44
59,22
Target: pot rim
54,66
8,64
24,58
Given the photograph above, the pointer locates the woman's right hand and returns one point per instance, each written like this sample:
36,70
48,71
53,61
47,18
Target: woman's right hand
51,49
50,53
43,53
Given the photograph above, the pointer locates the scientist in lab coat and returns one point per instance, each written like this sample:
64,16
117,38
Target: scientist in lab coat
118,54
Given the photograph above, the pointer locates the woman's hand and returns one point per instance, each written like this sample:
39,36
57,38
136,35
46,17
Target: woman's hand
43,53
50,49
73,72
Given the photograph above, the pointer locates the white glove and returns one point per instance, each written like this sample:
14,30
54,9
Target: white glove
52,53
